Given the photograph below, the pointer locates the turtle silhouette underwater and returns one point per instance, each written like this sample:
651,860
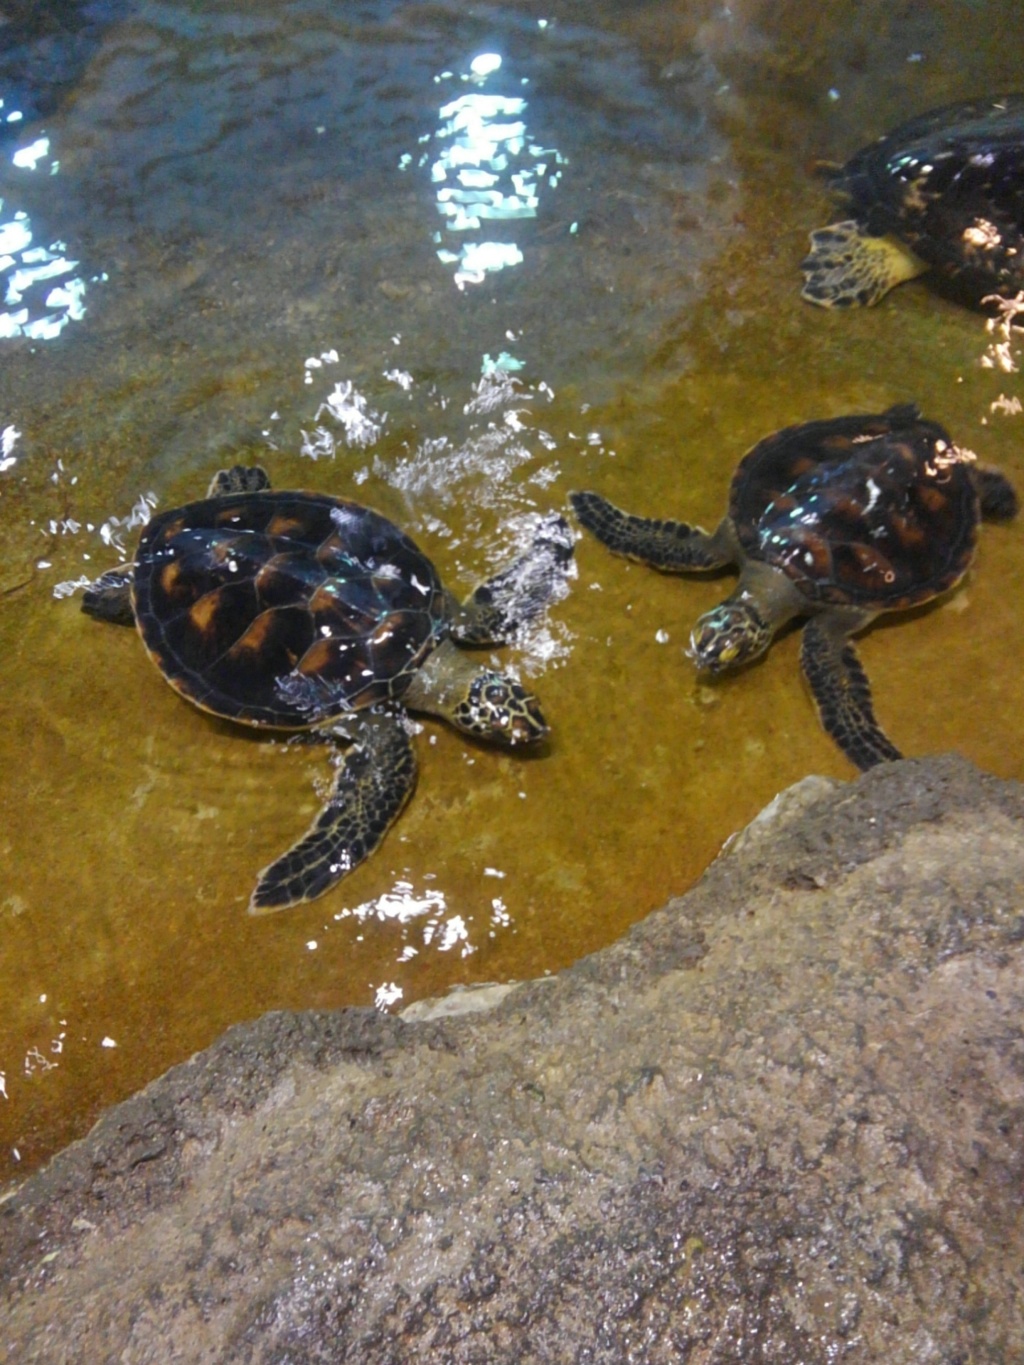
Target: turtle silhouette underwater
298,611
943,192
837,521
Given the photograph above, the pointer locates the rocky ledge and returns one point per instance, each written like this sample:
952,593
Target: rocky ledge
782,1120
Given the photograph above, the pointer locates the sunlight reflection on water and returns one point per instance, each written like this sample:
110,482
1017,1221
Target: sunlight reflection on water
486,170
42,295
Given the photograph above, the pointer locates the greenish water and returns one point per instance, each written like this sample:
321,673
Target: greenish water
250,211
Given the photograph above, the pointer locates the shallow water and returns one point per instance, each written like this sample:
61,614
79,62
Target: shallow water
242,215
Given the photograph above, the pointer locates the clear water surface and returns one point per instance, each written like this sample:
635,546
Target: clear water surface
454,262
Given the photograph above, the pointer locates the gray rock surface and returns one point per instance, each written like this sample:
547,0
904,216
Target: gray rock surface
782,1120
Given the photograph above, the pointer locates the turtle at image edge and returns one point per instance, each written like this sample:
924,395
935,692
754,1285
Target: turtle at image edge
837,521
944,193
295,611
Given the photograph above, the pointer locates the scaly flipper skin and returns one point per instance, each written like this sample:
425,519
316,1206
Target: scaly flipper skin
373,784
671,546
109,598
519,593
240,478
940,192
847,267
842,694
997,496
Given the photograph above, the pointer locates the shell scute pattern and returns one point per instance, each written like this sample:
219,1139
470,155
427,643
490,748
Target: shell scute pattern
835,522
285,609
883,514
942,192
296,610
950,183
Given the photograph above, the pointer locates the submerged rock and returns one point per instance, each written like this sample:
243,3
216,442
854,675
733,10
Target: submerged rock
782,1120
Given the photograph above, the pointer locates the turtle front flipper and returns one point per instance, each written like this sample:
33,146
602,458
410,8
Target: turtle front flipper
842,691
109,598
240,478
672,546
848,267
519,593
374,782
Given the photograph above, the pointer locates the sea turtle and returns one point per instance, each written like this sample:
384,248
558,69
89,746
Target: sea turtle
294,610
943,192
837,521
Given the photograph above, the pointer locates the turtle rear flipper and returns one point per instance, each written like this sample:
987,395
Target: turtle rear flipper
240,478
848,267
672,546
109,598
373,784
997,496
842,692
518,594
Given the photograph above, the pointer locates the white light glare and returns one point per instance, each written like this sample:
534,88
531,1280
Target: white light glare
485,64
27,157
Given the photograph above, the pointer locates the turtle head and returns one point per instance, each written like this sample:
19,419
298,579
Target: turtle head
733,633
499,710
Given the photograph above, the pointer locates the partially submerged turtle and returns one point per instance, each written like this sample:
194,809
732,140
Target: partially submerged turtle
292,610
943,192
837,521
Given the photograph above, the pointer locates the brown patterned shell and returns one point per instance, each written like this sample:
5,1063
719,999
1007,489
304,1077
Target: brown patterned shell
285,609
872,512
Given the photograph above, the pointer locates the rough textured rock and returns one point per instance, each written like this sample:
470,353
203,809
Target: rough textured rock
783,1120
